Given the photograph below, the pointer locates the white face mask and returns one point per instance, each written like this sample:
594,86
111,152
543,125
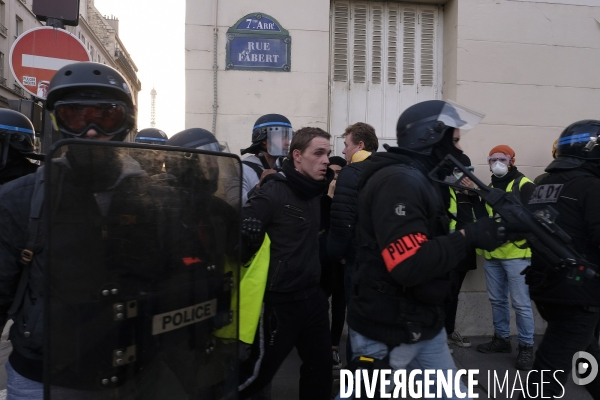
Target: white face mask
499,169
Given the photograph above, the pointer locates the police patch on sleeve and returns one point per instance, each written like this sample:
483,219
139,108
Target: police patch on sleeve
401,249
546,194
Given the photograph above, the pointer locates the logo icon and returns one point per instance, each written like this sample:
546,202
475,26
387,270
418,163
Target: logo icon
581,368
400,210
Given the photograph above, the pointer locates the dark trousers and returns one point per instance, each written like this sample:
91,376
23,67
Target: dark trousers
570,329
348,272
303,324
452,306
332,282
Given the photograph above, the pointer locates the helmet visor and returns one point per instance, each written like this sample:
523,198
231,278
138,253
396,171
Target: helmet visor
150,140
460,117
214,146
278,140
75,118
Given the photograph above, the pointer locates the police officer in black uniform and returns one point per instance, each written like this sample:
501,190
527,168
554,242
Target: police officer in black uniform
105,242
16,146
406,254
568,302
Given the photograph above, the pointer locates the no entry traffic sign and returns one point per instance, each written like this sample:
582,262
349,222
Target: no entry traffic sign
37,54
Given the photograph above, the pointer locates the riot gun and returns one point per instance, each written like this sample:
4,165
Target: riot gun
538,226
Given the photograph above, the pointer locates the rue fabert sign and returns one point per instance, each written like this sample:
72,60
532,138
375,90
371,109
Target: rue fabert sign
257,42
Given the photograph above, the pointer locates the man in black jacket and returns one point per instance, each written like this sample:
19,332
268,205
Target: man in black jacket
406,253
360,141
569,302
295,307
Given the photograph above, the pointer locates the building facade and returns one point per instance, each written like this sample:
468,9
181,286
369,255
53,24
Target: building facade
16,17
529,65
99,34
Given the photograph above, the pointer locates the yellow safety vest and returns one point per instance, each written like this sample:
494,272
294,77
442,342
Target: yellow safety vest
509,250
453,209
253,282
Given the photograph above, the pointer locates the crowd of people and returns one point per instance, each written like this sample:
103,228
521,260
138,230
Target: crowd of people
376,232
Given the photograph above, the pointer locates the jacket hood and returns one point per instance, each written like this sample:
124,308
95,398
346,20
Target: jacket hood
381,160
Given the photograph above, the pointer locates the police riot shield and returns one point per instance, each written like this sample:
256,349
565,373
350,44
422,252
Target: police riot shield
141,272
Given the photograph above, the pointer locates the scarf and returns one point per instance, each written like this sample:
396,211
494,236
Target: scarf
303,186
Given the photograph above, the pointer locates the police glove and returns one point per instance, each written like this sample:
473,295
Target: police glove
252,236
486,234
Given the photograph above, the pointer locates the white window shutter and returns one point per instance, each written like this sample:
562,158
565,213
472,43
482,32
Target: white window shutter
341,16
359,15
376,50
428,24
392,44
409,29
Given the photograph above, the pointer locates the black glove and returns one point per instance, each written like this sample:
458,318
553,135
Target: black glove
252,237
486,234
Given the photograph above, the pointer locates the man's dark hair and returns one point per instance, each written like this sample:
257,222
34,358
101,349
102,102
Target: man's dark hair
361,132
302,138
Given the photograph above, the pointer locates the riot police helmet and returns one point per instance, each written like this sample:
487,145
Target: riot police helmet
195,138
87,95
423,125
577,144
194,171
151,136
276,130
16,137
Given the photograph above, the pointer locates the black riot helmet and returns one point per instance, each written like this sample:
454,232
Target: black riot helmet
151,136
195,138
423,125
16,136
194,171
89,95
276,130
576,144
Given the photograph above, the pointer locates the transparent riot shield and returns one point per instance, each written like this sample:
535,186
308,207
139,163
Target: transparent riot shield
142,272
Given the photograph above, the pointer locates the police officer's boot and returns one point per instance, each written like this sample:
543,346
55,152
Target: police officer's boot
497,345
525,357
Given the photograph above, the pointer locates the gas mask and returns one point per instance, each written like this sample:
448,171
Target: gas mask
499,169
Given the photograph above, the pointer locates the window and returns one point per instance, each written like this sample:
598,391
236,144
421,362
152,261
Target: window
384,58
2,11
18,26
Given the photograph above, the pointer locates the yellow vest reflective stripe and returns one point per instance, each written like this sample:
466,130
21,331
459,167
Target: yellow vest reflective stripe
509,250
453,209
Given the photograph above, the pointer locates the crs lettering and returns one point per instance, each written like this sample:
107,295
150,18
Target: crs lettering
546,194
401,249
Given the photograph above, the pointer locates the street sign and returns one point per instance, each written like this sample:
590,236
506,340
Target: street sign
37,54
257,42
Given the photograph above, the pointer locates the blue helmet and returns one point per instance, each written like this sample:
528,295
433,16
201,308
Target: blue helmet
151,136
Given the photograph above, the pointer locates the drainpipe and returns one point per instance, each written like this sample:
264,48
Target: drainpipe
215,69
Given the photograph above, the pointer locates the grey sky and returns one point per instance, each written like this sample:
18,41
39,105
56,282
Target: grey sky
153,32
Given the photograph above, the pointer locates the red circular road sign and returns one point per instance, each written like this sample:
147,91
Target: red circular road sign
37,54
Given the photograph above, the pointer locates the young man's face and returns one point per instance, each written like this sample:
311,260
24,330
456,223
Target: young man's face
350,148
313,161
